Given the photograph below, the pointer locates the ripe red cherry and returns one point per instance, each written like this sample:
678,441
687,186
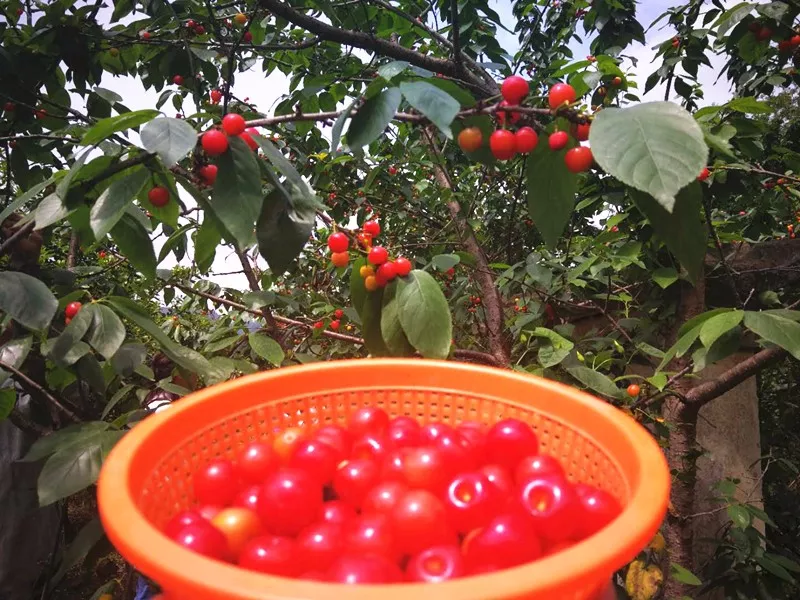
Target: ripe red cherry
383,497
540,465
402,265
378,255
431,432
560,94
436,564
145,35
233,124
579,159
256,461
319,325
337,512
499,478
181,520
316,458
598,509
355,569
386,272
704,174
764,34
509,441
247,137
217,483
158,196
373,228
338,438
290,501
368,420
199,30
371,534
370,446
426,468
247,37
177,80
9,107
404,435
319,545
580,131
392,170
633,390
558,140
420,520
457,450
471,501
503,144
214,142
271,554
72,309
553,507
525,140
248,498
507,541
215,96
354,479
338,242
503,115
470,139
202,537
514,89
40,113
334,325
239,526
209,173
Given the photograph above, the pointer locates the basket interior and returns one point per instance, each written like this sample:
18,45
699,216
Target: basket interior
167,488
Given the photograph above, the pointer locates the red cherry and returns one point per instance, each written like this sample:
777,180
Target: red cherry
217,483
203,538
383,497
271,554
319,325
371,534
256,461
145,35
72,309
334,325
503,144
514,89
290,501
471,501
509,441
503,115
209,511
474,440
316,458
199,30
373,228
598,509
355,569
633,390
426,468
233,124
558,140
507,541
795,41
354,479
402,266
579,159
214,142
431,432
392,170
378,255
703,174
764,34
368,420
209,173
525,140
540,465
403,435
181,520
560,94
457,450
158,196
337,512
239,526
371,447
247,37
248,498
580,131
338,438
319,545
552,506
177,80
338,313
9,107
420,521
386,272
338,242
436,564
247,137
215,96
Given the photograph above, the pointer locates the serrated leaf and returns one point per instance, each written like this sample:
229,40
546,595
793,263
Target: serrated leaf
391,328
445,262
436,104
107,127
596,381
776,330
135,244
8,399
301,197
282,233
425,315
128,358
115,199
237,199
665,277
715,327
732,17
654,147
372,118
267,348
551,189
107,331
171,139
49,211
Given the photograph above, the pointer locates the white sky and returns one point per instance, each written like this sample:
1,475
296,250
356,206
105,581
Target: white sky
264,92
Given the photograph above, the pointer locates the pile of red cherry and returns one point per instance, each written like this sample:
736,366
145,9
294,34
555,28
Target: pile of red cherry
387,501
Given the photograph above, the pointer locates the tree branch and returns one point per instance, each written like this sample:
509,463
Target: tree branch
712,230
38,389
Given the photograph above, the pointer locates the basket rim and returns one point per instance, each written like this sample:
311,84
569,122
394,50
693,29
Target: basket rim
591,560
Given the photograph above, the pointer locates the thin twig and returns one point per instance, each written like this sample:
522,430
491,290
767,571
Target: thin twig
713,231
35,387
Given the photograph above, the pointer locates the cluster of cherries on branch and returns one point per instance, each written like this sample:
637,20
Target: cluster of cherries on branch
506,144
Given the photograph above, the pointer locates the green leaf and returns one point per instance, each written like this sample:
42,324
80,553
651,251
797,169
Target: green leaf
371,323
27,300
732,17
684,575
13,353
336,132
445,262
87,538
89,369
551,190
76,467
134,242
596,381
665,277
63,186
739,515
436,104
256,300
372,118
8,399
786,563
724,346
773,10
425,315
681,230
300,195
776,330
23,199
64,439
655,147
749,105
107,127
555,350
127,358
760,514
107,331
115,199
716,326
774,568
206,241
71,335
171,139
282,233
237,199
358,293
50,210
389,70
391,328
267,348
695,322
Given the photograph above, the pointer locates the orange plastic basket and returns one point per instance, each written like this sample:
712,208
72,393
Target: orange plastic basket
147,477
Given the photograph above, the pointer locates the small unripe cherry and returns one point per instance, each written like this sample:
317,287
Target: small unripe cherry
633,390
470,139
340,259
